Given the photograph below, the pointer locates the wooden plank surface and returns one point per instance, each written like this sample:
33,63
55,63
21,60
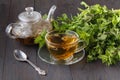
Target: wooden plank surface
54,72
10,69
14,70
4,13
109,3
66,6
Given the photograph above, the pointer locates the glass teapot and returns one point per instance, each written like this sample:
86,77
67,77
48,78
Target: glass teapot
29,25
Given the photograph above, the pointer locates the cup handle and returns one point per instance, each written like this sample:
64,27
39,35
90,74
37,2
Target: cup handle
81,46
9,30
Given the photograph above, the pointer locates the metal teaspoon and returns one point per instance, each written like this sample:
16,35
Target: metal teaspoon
21,56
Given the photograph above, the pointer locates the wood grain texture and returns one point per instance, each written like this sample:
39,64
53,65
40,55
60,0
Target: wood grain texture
109,3
94,71
18,6
54,72
14,70
4,13
65,6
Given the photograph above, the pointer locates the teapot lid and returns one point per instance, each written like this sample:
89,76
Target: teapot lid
29,15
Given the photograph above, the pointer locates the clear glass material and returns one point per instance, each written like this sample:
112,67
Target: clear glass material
45,56
19,30
29,15
62,47
30,24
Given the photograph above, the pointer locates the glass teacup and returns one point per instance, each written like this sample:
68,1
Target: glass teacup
63,45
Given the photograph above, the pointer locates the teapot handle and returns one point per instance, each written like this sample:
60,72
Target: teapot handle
9,30
51,12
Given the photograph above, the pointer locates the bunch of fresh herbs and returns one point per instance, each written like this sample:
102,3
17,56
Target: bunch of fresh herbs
99,27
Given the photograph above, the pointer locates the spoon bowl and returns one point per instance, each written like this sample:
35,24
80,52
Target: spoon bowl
20,55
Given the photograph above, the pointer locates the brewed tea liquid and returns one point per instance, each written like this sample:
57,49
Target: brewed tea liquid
63,46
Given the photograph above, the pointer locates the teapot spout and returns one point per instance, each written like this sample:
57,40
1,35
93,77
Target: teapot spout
51,13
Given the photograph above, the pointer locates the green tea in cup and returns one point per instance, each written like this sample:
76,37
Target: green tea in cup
62,45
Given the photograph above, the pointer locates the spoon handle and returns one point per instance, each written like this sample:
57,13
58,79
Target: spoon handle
41,72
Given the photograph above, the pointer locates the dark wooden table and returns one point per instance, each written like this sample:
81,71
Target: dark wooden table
10,69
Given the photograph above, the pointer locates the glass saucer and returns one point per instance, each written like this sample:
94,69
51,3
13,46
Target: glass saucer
45,56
